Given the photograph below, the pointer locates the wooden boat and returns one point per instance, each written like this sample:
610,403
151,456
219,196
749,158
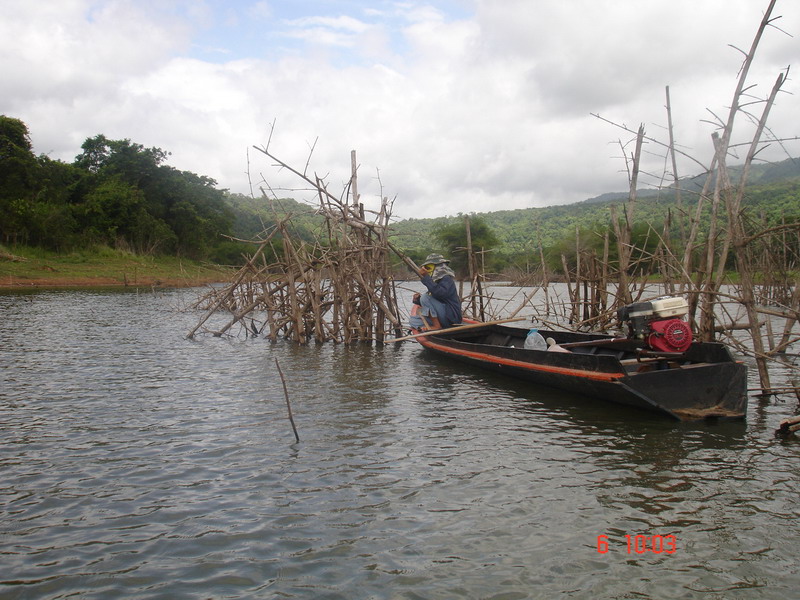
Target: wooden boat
702,382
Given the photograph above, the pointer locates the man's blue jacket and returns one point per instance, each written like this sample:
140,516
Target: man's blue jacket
445,292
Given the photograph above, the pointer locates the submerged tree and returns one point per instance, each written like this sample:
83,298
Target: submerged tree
339,288
699,260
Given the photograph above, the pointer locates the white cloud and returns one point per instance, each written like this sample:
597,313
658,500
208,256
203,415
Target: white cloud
459,114
260,10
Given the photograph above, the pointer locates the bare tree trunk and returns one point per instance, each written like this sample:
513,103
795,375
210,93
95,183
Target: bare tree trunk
675,178
739,242
624,249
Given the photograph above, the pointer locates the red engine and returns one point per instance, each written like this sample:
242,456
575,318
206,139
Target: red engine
672,335
654,323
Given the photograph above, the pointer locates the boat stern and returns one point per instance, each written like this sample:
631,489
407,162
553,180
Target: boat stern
697,392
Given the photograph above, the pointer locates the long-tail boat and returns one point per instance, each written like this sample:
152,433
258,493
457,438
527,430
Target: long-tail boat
657,366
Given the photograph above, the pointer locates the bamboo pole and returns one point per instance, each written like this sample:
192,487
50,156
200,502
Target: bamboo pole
457,328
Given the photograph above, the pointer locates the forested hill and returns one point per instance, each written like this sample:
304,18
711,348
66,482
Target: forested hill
773,191
774,194
120,194
116,193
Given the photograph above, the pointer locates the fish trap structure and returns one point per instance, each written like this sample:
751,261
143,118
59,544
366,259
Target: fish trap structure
338,288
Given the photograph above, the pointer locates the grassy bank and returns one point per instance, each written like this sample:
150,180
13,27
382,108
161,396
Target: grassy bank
32,267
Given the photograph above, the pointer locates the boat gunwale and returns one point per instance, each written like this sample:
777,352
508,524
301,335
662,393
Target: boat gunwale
430,342
701,355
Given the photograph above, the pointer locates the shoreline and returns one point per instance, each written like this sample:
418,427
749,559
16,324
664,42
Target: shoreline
29,269
24,283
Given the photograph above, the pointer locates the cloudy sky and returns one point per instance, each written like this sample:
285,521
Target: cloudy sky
453,106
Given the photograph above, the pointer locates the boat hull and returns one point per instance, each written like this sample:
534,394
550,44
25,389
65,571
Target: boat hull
704,382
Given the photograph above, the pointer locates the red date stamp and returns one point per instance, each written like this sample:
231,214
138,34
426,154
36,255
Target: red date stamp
642,544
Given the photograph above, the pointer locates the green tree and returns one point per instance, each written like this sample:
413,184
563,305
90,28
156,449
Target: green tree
58,195
134,190
110,210
18,171
133,162
453,239
116,192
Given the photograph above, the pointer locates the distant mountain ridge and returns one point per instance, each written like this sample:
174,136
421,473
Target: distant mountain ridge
760,174
774,188
521,230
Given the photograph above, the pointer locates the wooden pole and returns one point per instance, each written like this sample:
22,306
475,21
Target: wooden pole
286,394
675,179
458,328
788,426
353,179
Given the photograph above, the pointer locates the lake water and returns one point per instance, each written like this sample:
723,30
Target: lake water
136,463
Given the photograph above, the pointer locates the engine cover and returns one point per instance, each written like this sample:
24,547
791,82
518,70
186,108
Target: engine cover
670,335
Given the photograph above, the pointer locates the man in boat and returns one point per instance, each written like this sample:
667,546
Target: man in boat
440,306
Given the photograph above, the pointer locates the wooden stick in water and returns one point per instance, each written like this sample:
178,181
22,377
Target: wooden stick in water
288,406
788,426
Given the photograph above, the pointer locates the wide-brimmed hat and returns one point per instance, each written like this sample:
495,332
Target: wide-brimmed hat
435,259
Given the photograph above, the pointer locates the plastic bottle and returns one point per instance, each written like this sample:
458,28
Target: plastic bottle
535,341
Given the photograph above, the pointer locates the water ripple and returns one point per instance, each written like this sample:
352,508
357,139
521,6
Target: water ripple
136,463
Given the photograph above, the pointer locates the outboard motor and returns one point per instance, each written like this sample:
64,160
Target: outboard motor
654,323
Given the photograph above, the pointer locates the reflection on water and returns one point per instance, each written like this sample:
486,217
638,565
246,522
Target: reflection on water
136,463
